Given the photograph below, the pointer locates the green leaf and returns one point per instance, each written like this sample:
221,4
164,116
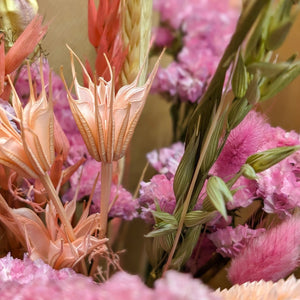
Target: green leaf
162,230
166,242
198,217
267,69
218,194
185,171
238,110
185,250
166,217
273,86
239,82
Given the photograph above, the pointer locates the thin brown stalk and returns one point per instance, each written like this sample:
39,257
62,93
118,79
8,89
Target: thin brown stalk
47,183
106,179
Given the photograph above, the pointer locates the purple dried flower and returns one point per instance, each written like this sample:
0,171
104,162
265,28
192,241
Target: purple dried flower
206,27
159,190
231,241
166,160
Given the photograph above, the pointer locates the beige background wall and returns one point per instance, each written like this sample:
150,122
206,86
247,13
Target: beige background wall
68,25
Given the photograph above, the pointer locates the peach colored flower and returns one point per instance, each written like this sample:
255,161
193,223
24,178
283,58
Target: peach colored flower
106,120
29,150
48,241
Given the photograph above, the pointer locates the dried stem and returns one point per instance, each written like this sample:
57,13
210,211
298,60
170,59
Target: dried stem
106,178
47,183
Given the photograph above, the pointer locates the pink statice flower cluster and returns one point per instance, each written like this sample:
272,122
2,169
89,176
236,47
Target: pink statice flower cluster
25,279
123,205
206,28
279,186
231,241
166,160
159,191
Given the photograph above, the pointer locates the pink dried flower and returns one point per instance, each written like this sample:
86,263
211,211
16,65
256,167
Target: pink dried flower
231,241
22,86
245,194
24,271
125,286
163,37
123,205
246,139
271,256
279,186
166,160
159,190
206,27
179,286
25,279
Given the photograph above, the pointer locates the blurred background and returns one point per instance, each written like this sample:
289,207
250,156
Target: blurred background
68,25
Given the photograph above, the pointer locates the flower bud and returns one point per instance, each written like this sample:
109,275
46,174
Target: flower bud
248,172
266,159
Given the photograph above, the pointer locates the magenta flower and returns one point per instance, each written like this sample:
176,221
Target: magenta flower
246,139
163,37
160,190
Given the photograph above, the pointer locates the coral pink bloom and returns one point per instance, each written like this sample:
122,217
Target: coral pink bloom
23,46
104,35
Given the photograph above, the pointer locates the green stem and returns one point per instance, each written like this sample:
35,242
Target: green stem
47,183
106,179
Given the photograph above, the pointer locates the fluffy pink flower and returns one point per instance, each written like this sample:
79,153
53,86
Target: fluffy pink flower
271,256
125,286
160,190
246,139
231,241
179,286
